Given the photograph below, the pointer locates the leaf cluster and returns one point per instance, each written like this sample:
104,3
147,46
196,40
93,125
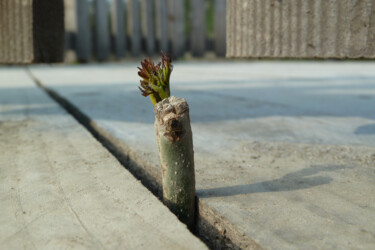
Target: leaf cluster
155,78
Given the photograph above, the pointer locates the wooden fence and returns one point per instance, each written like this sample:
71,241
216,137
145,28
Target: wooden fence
101,29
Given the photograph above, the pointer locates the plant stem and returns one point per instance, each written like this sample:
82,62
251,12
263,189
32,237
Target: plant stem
174,138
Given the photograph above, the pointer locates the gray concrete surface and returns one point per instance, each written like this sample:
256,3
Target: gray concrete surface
285,155
249,121
60,189
301,29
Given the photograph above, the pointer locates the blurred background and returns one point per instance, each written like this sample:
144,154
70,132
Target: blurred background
108,30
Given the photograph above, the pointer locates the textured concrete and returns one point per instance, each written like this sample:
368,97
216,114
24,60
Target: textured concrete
301,29
60,189
285,152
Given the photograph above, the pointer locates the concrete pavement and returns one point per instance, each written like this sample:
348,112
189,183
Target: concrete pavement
60,189
284,151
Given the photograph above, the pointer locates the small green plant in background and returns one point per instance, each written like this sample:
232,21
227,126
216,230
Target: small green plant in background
155,78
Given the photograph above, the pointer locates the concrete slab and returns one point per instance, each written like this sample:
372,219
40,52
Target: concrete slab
60,189
285,154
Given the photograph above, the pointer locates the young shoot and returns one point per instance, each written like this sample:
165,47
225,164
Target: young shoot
155,78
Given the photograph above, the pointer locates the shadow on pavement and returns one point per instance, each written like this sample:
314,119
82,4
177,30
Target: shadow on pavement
368,129
301,179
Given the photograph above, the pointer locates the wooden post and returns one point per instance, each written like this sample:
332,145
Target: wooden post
198,27
177,26
11,33
102,42
70,24
48,30
150,30
162,24
7,32
220,27
135,28
118,27
2,32
83,37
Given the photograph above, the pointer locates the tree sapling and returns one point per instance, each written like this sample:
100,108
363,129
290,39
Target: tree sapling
174,139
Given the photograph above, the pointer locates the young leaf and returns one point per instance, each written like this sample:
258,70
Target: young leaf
155,78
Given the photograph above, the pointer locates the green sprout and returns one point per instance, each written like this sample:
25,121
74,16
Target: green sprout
155,78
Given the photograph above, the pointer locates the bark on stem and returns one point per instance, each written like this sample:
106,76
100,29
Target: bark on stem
174,138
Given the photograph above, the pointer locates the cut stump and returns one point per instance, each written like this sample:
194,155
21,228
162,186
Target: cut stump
175,143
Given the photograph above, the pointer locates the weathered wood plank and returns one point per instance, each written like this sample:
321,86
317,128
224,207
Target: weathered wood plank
306,29
150,28
48,30
198,27
161,10
371,30
31,31
135,27
2,31
11,31
230,22
27,47
176,14
102,40
70,23
359,19
220,27
83,37
118,27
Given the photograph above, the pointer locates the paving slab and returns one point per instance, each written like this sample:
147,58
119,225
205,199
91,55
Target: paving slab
285,151
60,189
